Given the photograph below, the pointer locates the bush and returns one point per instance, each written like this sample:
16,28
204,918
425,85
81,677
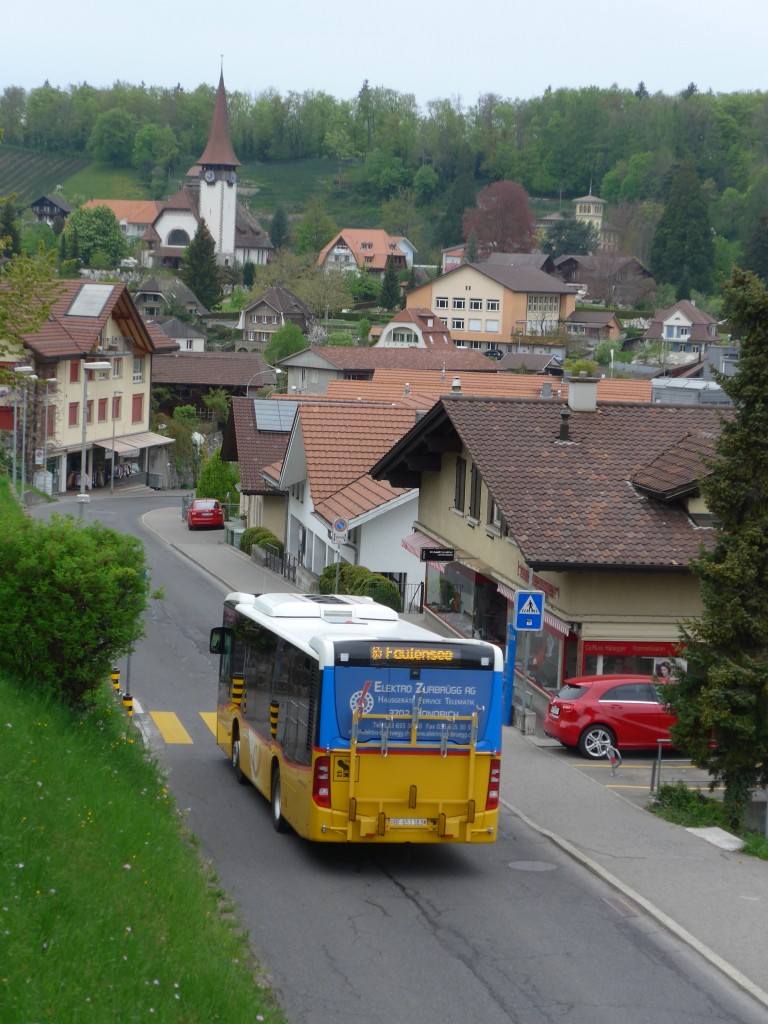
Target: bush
250,536
381,590
260,536
357,579
72,598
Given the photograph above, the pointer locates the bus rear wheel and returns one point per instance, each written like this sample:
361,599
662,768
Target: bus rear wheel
236,758
278,821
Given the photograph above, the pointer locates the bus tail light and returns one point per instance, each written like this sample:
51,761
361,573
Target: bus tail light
321,782
494,782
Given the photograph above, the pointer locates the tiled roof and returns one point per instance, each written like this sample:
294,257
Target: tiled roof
507,385
531,361
164,343
172,327
281,300
132,211
64,336
701,323
233,369
678,469
341,443
589,316
371,358
571,504
382,246
251,448
519,279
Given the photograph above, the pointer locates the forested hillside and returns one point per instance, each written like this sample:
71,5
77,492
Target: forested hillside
420,168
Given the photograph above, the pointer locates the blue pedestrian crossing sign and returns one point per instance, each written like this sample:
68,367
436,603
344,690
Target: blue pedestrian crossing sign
529,610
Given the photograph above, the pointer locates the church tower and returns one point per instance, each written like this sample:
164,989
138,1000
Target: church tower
218,182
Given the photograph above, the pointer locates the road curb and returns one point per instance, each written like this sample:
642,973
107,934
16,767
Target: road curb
730,972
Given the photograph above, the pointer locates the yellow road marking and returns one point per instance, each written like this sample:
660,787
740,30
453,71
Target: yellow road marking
170,727
209,717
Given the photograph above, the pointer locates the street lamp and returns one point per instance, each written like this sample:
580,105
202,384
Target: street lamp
276,370
87,367
23,370
115,394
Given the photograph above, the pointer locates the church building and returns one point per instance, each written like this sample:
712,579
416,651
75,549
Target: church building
211,196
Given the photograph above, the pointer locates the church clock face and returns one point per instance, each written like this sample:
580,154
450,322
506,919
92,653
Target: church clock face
231,177
210,176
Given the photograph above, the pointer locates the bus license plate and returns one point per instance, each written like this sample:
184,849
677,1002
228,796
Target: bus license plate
407,822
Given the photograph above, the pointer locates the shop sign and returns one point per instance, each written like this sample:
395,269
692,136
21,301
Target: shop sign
438,555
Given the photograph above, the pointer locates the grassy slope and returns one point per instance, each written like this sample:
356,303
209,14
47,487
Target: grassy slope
106,903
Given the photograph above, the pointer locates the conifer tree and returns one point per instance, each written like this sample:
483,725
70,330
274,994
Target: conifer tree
279,233
200,271
756,249
683,251
721,699
10,236
390,287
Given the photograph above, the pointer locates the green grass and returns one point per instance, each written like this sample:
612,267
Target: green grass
108,912
693,809
98,181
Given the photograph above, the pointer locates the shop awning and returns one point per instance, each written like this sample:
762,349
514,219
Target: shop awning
549,619
130,443
416,542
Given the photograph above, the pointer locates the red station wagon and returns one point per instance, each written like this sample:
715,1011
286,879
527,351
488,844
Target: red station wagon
592,713
205,512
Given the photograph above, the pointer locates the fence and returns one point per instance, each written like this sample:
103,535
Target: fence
281,563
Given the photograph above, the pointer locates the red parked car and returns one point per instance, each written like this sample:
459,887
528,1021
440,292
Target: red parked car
205,512
592,713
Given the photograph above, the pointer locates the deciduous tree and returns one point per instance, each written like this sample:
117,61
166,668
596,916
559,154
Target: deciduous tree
721,699
111,140
93,230
503,220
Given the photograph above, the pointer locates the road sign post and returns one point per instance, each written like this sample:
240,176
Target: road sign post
529,618
338,533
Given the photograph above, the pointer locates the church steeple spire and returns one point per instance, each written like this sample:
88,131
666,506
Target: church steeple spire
219,151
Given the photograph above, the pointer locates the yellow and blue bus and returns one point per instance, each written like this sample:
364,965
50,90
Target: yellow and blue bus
357,725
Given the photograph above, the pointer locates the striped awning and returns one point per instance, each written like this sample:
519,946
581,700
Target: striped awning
555,624
415,542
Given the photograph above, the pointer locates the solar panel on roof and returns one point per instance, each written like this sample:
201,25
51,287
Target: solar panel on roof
90,300
276,416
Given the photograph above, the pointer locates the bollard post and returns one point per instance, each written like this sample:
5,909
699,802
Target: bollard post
127,698
115,677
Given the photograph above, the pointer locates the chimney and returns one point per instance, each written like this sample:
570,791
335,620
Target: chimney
582,393
565,415
456,386
407,388
546,389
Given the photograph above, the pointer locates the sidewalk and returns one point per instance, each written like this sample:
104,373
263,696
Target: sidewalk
714,900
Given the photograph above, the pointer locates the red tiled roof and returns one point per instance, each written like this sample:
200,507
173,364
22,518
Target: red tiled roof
341,443
64,336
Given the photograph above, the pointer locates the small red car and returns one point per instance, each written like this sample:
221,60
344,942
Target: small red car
205,512
592,713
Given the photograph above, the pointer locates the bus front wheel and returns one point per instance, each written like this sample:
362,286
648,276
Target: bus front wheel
236,758
278,821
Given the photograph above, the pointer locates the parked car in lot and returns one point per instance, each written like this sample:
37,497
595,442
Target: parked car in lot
591,713
205,512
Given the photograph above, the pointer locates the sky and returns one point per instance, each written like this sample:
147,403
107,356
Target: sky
452,49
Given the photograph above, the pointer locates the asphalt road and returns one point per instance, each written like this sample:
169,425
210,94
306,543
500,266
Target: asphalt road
516,931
